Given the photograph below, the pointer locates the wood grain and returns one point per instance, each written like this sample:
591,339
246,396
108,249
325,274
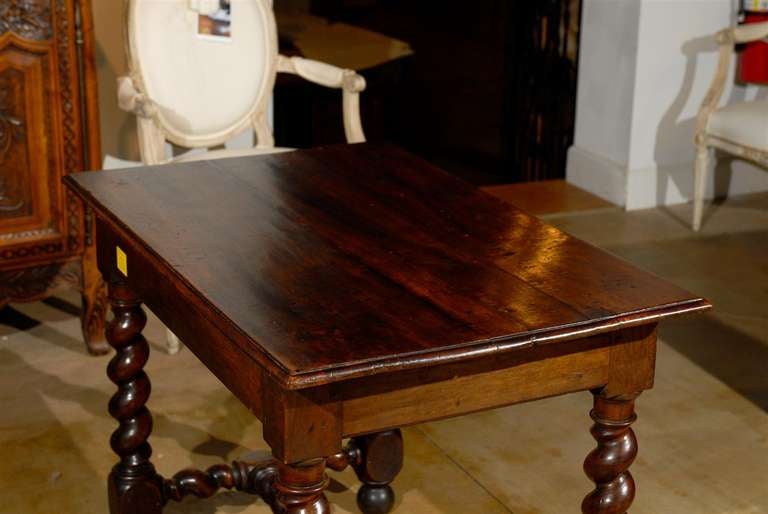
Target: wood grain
426,401
344,261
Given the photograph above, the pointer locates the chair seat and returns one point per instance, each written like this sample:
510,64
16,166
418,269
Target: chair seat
225,153
743,123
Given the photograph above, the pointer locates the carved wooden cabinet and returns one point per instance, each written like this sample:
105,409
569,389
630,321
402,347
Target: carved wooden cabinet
48,128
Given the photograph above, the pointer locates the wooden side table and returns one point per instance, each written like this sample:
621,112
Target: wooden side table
345,292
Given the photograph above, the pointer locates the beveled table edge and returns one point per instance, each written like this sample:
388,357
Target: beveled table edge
486,347
299,379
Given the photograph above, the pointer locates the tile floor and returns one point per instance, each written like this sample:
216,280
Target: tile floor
703,430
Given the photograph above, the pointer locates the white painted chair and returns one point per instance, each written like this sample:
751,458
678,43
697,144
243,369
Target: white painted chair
198,91
741,129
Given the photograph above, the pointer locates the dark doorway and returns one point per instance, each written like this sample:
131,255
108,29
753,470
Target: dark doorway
488,94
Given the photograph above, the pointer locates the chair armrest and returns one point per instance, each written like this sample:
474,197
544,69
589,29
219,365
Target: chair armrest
131,100
749,32
322,73
350,82
725,39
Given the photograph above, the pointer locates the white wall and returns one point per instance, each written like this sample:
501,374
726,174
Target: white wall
607,63
609,38
657,59
118,128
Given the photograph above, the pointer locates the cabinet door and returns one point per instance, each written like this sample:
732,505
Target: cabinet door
39,132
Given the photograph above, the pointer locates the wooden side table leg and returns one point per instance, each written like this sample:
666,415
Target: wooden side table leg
134,485
608,464
377,459
379,462
300,488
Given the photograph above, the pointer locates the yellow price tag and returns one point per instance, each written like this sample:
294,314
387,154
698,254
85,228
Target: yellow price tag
122,261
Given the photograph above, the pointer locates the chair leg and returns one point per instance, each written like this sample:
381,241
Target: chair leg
94,297
172,343
699,184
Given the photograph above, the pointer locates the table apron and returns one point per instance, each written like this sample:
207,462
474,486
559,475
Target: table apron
466,394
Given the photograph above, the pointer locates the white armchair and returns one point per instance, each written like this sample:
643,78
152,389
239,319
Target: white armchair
198,91
740,129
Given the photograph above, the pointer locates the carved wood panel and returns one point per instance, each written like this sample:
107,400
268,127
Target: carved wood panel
28,284
15,183
40,131
29,186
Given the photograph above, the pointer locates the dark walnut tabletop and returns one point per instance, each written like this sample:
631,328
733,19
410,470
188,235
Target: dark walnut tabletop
346,261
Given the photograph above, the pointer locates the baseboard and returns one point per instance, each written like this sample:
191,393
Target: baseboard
643,188
653,186
669,185
596,174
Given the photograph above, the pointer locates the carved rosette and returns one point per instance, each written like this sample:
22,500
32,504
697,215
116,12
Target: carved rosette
29,19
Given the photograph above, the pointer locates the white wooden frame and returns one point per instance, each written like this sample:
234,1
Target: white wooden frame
703,139
154,130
